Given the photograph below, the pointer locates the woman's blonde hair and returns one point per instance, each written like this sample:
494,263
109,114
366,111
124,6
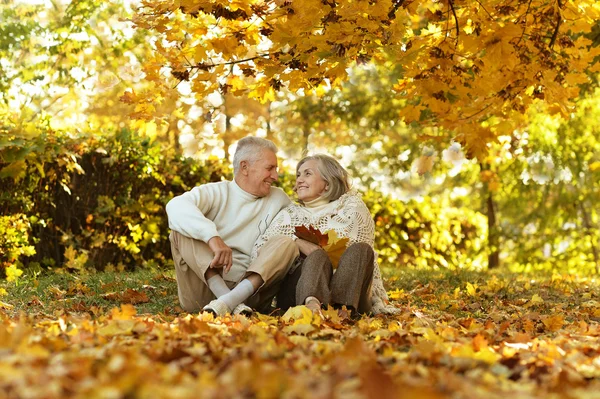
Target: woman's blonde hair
334,174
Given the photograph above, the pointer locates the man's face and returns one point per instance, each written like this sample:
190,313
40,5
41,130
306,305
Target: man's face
261,174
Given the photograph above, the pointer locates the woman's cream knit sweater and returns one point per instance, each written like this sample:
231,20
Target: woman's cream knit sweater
348,216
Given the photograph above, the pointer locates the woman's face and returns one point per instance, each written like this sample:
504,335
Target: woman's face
309,183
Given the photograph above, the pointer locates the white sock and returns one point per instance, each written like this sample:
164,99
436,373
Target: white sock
239,294
217,285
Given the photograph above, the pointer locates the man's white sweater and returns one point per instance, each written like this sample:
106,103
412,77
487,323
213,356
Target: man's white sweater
224,209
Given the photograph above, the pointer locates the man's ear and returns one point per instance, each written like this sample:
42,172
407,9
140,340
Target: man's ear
244,167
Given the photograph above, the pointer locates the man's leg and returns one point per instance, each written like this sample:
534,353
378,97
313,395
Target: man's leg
286,296
269,269
351,283
191,258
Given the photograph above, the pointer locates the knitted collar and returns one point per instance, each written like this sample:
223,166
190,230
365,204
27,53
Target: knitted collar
318,202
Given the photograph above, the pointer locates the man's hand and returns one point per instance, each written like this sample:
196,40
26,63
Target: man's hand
306,247
223,254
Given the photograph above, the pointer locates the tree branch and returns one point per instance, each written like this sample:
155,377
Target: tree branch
485,9
208,66
525,16
557,27
451,4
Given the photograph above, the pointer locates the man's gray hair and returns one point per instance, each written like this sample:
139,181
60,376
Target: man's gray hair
250,149
332,172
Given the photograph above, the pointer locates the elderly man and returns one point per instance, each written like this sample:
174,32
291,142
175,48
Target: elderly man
214,227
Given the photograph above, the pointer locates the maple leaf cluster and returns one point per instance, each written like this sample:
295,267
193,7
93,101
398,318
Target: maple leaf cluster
333,245
472,67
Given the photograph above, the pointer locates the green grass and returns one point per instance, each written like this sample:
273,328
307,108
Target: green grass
96,293
51,293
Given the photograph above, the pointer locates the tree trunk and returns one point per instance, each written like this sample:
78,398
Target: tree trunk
227,139
269,129
493,242
494,256
305,134
588,229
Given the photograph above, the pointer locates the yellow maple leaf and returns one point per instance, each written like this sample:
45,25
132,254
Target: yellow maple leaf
411,113
335,247
126,312
262,91
227,45
554,323
536,299
471,289
300,315
301,329
117,327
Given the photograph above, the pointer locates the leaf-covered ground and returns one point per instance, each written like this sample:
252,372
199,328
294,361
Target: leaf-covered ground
465,335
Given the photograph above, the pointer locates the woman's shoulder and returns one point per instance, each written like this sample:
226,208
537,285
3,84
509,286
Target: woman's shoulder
294,208
351,199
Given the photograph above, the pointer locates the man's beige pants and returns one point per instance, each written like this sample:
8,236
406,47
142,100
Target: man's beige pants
192,258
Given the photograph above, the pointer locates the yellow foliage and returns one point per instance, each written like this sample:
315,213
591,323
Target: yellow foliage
13,273
474,75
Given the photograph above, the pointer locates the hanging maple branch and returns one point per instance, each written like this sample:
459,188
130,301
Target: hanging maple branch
206,67
451,5
558,23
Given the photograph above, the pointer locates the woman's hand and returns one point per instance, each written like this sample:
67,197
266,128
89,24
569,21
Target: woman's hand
306,247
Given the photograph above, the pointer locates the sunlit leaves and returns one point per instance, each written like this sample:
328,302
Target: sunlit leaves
463,62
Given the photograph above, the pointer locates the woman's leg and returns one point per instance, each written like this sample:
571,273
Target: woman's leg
314,278
351,283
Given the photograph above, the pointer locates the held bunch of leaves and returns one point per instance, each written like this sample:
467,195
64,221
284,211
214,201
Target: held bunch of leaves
463,61
457,336
333,245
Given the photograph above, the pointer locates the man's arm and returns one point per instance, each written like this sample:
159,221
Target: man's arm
187,212
186,215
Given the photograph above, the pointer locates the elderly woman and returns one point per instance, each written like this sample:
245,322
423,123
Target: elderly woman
327,203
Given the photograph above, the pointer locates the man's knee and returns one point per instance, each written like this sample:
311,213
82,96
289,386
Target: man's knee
285,245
